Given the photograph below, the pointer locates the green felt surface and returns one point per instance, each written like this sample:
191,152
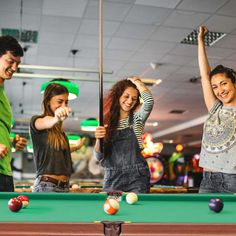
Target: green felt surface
151,208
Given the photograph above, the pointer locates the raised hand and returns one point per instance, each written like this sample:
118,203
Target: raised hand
62,113
138,83
202,31
135,80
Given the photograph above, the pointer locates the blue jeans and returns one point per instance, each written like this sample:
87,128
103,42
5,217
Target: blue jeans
41,186
216,182
6,183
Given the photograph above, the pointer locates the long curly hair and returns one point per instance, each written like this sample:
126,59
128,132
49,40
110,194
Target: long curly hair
56,136
112,107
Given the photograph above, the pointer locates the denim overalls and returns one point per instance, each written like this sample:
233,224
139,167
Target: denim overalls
125,167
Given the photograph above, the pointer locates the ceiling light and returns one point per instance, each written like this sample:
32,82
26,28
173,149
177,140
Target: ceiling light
72,88
154,124
89,124
210,38
168,141
12,136
177,111
155,65
73,139
30,148
179,148
151,82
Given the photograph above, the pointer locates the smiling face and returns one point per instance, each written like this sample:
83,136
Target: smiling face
128,100
8,66
58,101
224,89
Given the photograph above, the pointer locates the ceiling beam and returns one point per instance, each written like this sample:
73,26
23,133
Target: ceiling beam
183,126
59,68
46,76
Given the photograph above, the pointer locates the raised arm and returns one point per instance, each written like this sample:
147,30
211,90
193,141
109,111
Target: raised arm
79,144
205,69
148,101
48,122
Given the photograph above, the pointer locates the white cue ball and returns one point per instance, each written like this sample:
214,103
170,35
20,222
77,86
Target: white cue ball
131,198
75,186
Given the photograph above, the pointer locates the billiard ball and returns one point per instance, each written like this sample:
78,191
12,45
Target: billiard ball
25,200
131,198
111,206
216,205
14,204
75,186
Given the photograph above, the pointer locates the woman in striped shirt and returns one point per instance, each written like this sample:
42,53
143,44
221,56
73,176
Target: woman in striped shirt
124,119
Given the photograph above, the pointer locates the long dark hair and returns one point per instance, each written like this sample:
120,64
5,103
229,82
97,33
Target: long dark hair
56,137
112,106
229,73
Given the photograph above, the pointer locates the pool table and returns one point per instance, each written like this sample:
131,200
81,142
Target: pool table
98,189
82,214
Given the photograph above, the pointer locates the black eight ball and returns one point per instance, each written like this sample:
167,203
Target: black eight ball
216,204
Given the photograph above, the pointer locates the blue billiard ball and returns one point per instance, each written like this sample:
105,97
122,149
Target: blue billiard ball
216,205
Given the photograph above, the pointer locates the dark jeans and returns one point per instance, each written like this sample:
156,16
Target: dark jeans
216,182
6,183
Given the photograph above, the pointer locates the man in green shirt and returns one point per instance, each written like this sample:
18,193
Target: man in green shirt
10,57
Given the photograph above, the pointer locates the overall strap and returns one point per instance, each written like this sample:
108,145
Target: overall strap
131,120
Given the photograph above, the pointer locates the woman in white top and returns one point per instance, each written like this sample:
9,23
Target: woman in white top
218,153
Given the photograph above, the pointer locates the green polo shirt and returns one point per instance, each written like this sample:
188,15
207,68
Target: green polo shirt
5,129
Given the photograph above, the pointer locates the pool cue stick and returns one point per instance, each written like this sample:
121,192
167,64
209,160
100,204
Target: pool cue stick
101,70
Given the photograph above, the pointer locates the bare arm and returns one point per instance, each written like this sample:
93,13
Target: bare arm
144,111
205,69
48,122
78,146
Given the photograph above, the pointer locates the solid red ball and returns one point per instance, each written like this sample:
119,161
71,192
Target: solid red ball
24,199
14,204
